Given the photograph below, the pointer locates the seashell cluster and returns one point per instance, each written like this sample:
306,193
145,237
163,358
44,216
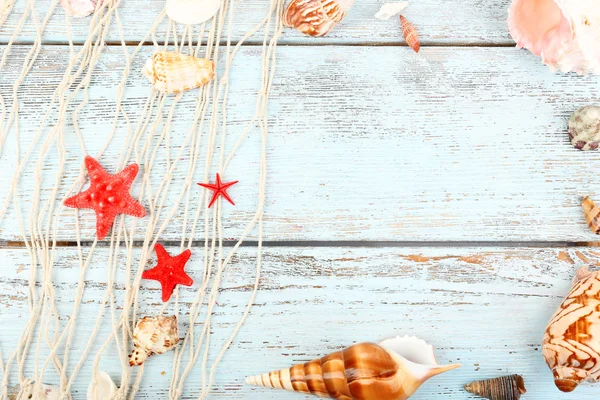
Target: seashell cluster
102,387
173,73
80,8
571,345
584,128
410,34
315,17
592,212
564,33
192,11
153,336
503,388
391,370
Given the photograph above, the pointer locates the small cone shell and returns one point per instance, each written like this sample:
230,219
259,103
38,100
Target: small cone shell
592,213
173,73
410,34
315,17
504,388
364,371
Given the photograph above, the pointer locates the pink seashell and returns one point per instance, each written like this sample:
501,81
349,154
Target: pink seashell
564,33
410,34
80,8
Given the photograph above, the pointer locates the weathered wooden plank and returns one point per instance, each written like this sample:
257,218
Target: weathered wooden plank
453,144
464,22
484,308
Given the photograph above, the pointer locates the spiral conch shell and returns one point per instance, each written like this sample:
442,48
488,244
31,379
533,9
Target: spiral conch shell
153,336
584,128
391,370
172,73
571,345
315,17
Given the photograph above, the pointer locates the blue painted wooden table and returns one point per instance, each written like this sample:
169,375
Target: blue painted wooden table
434,195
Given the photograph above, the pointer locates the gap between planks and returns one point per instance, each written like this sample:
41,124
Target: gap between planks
7,244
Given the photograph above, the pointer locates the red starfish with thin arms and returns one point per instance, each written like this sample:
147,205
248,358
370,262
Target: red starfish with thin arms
219,189
169,271
108,195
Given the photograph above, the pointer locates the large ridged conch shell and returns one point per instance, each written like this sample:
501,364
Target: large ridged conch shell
592,213
503,388
102,388
315,17
192,11
392,370
410,34
564,33
153,336
571,345
80,8
584,128
171,72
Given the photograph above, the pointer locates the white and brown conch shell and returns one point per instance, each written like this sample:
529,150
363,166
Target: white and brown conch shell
153,336
172,73
192,11
571,345
315,17
592,214
102,387
392,370
584,128
503,388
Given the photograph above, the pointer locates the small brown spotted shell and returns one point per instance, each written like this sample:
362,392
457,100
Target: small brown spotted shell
503,388
315,17
584,128
153,336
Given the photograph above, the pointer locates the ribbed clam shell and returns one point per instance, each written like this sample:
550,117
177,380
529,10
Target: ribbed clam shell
410,34
153,336
584,128
315,17
571,345
103,388
172,73
592,214
365,371
503,388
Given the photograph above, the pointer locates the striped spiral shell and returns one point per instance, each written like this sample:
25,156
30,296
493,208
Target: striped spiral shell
172,73
502,388
410,34
365,371
315,17
571,345
592,214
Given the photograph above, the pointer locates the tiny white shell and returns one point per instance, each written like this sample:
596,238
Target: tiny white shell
389,10
153,336
192,11
105,388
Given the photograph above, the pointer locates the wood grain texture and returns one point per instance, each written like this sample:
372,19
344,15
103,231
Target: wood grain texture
438,22
484,308
453,144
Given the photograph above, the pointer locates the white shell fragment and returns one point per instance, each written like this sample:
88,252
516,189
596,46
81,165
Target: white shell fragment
192,11
80,8
389,10
103,388
153,336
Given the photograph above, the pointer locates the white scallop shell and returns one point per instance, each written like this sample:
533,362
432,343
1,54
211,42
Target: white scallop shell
192,11
103,389
171,72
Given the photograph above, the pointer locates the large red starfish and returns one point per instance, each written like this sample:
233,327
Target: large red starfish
219,189
169,271
108,195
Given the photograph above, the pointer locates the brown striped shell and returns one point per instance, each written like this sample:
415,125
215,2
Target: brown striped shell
503,388
410,34
173,73
153,336
365,371
315,17
592,212
571,345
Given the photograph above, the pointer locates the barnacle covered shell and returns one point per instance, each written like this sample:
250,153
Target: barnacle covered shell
171,72
410,34
102,387
571,345
391,370
584,128
80,8
192,11
153,336
315,17
503,388
592,212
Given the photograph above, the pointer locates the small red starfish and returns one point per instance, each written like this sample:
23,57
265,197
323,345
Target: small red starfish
219,189
169,271
108,195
